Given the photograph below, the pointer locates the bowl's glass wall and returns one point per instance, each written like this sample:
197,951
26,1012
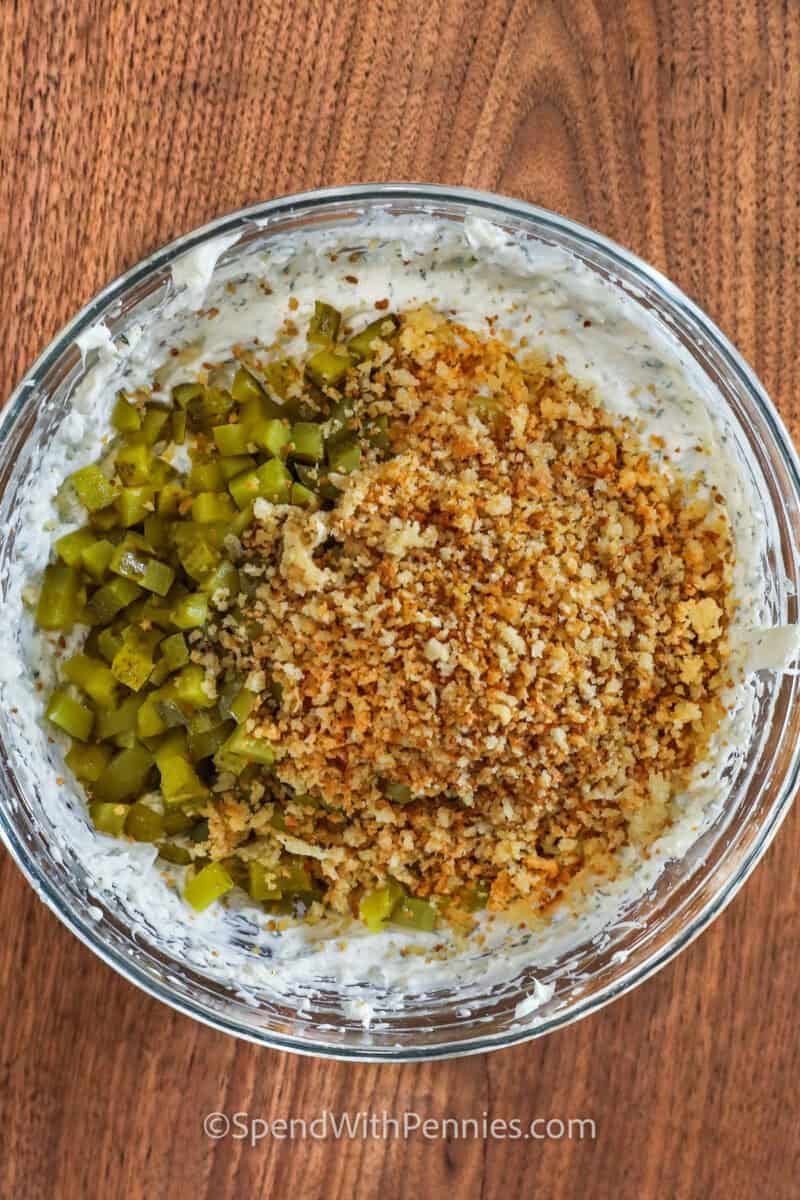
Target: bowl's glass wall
688,893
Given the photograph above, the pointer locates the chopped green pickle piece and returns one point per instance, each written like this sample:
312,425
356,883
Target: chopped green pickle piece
236,465
362,344
70,715
125,417
190,688
323,328
252,749
125,776
143,823
93,676
231,440
70,547
109,818
94,490
111,598
260,886
375,907
154,424
303,497
344,456
245,387
242,706
59,604
206,886
183,393
111,722
307,442
206,477
179,856
398,793
272,436
414,914
327,368
96,559
133,463
208,507
271,481
133,662
133,505
191,611
175,651
87,762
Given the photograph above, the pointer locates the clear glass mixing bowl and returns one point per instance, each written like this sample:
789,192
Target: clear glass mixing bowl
688,894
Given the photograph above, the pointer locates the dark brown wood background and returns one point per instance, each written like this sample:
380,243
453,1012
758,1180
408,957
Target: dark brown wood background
673,126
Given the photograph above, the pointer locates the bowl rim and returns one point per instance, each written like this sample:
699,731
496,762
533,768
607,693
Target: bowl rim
496,206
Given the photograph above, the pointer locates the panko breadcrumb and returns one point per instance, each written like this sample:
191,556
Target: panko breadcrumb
518,621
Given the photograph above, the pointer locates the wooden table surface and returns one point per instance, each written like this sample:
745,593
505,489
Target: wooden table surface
672,126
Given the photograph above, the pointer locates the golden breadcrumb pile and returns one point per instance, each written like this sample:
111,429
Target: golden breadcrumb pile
519,620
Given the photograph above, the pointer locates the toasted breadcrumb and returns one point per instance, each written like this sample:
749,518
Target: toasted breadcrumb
520,617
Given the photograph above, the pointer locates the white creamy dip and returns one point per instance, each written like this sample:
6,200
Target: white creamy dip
537,292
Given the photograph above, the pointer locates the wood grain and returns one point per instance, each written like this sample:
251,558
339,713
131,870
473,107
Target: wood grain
671,125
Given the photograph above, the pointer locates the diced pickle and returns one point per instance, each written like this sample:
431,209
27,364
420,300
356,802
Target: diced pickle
111,598
206,477
303,497
245,387
398,793
96,559
260,886
375,907
209,507
108,818
93,489
175,651
133,463
180,782
271,481
189,687
205,744
344,456
70,547
143,823
362,344
87,762
231,439
191,612
154,424
133,504
111,722
125,417
236,465
414,914
133,662
179,856
70,715
206,886
307,442
125,776
250,748
183,393
271,436
58,607
323,328
327,368
93,676
242,706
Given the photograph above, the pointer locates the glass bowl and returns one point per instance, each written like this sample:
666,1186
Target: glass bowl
688,893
